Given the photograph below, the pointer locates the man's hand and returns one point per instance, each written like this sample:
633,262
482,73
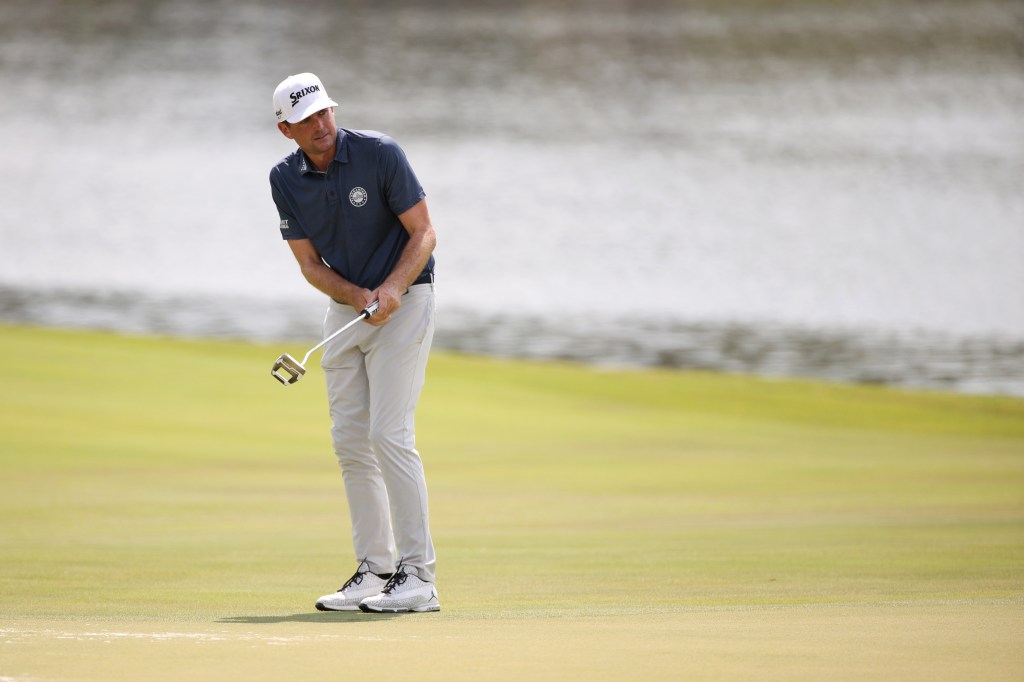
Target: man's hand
415,255
388,301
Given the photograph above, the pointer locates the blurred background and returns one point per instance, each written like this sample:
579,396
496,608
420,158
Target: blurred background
829,188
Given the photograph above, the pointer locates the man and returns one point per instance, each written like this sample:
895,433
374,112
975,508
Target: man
355,217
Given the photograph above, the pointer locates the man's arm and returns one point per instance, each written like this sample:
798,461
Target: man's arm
422,240
326,280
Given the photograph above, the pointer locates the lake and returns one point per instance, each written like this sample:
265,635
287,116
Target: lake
796,188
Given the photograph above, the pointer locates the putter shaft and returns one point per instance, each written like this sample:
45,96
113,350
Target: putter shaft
295,368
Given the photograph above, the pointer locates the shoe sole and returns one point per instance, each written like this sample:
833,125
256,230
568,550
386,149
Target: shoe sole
428,608
321,607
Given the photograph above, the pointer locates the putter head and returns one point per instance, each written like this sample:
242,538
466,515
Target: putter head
290,365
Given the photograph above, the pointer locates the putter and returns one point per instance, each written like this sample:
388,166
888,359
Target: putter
296,369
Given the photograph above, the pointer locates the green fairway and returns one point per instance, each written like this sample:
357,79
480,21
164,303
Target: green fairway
169,511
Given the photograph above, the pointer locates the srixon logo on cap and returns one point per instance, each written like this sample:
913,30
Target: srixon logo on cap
299,94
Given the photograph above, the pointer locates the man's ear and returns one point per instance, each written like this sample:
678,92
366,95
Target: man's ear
285,129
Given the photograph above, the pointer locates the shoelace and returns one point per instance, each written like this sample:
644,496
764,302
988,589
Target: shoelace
395,581
357,579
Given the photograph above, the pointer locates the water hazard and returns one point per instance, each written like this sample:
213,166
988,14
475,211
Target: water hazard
810,189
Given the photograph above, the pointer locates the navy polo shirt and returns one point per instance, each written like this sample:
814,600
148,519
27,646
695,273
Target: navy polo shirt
350,213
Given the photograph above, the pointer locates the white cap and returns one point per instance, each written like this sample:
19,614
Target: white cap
300,96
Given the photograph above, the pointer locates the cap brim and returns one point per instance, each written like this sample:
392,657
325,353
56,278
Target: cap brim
316,105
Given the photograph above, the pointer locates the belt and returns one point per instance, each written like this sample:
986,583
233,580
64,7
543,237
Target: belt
426,277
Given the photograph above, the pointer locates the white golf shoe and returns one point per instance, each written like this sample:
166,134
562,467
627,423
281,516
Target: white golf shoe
404,592
363,584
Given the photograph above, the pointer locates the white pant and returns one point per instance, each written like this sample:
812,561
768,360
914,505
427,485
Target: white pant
374,377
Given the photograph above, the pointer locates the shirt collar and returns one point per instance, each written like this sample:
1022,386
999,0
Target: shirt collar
340,154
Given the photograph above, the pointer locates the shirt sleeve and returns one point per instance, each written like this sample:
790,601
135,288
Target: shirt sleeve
290,228
399,183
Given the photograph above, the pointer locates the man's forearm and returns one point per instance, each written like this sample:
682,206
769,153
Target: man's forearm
331,283
414,258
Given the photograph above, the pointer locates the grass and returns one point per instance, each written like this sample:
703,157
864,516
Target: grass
167,510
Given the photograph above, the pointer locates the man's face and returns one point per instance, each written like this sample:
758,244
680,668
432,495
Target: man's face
315,134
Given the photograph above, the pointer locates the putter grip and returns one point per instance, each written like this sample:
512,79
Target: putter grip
369,310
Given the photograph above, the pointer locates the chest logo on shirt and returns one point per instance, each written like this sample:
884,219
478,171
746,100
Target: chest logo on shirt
358,196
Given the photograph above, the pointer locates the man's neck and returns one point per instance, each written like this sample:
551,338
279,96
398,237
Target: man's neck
322,162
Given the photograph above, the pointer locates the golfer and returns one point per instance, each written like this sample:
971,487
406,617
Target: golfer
356,220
